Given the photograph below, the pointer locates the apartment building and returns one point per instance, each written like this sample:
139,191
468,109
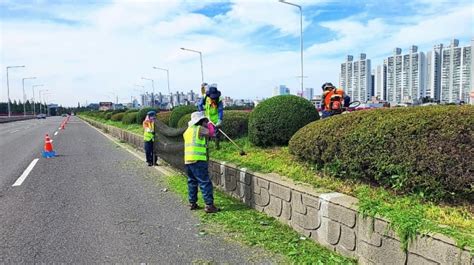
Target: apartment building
355,78
456,73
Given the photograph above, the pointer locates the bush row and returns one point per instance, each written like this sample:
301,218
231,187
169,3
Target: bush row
423,150
178,112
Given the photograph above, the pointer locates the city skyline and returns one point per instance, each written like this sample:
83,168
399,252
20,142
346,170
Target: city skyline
89,50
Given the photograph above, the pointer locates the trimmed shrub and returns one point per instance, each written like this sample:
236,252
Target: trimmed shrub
164,117
117,116
235,123
108,115
142,114
423,150
130,118
183,122
275,120
179,112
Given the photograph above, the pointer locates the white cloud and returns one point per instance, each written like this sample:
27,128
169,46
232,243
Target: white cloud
116,44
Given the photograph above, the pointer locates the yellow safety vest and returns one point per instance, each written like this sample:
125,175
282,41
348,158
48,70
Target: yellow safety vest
148,129
195,148
212,113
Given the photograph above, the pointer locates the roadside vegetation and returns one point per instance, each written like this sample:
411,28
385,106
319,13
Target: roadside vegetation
253,228
412,166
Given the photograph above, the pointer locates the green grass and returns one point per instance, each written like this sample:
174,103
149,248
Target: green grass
253,228
135,128
408,214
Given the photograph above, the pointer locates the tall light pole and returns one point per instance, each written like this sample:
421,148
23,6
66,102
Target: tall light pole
167,76
41,90
301,38
200,57
34,105
153,93
24,94
8,88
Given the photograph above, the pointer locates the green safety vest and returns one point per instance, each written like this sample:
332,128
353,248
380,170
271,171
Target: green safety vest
212,113
148,136
195,148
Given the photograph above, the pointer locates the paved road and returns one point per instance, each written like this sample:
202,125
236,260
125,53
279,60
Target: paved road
95,203
20,142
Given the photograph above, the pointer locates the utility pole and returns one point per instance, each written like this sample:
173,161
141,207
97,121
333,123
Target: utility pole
8,88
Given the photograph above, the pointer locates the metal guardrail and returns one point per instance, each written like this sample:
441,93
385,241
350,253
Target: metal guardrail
12,119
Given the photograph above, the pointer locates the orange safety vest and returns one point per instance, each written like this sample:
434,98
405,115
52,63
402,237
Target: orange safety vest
333,99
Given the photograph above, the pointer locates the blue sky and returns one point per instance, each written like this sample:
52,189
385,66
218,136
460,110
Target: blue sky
93,50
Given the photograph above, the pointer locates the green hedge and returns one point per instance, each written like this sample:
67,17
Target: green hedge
179,112
183,122
108,115
130,118
164,117
235,123
423,150
117,116
142,114
275,120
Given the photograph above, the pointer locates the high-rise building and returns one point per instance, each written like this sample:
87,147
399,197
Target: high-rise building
380,81
433,72
281,90
456,73
405,76
309,93
355,77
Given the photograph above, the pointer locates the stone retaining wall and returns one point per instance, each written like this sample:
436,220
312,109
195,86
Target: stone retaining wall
331,219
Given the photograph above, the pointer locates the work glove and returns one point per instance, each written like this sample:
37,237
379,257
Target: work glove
211,128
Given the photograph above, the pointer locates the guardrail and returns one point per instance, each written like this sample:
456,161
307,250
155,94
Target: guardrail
12,119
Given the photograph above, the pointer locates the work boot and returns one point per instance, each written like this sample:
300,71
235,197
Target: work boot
194,206
211,209
150,164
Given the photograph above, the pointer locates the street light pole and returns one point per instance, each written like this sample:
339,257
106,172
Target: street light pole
8,89
40,101
200,57
24,94
167,76
34,104
301,38
153,93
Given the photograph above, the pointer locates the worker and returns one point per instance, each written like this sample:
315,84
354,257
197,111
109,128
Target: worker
334,100
149,138
195,158
213,108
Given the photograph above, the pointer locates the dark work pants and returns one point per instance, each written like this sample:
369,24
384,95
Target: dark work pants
198,175
149,152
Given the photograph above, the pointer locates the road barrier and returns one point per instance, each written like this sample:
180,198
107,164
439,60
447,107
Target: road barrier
12,119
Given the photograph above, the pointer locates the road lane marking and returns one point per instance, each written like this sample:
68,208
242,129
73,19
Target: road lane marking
25,173
14,131
56,133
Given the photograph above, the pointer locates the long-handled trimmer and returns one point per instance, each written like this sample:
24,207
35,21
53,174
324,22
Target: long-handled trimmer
242,152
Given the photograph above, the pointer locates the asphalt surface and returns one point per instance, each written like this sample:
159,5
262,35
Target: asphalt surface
95,203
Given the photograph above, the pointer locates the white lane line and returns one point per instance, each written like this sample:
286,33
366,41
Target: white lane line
56,133
25,173
14,131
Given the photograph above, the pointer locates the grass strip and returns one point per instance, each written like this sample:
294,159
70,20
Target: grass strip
257,229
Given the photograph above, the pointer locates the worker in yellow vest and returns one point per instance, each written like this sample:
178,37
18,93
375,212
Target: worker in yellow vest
195,158
149,138
213,107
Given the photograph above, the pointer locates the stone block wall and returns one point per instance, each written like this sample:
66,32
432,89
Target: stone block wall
332,219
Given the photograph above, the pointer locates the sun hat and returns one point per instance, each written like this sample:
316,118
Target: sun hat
196,117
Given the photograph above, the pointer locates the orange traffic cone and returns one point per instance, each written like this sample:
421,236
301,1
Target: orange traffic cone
48,147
